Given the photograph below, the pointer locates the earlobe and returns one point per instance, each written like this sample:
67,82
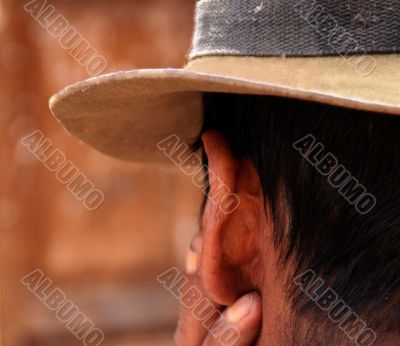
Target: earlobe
231,253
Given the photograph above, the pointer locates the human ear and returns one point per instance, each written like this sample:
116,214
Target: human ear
231,248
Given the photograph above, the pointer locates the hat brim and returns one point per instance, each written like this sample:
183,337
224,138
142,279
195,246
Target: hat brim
125,114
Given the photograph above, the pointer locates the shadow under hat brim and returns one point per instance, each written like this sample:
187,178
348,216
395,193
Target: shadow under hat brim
126,114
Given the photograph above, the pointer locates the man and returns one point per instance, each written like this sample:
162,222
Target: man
293,106
295,238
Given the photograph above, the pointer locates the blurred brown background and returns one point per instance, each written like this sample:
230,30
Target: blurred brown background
107,260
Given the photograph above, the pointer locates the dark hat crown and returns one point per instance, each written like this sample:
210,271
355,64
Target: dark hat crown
296,27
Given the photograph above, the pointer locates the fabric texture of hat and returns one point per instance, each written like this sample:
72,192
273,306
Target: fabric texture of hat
344,53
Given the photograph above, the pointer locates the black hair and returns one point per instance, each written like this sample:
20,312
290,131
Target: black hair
358,254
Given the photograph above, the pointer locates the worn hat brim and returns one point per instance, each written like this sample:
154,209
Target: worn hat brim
125,114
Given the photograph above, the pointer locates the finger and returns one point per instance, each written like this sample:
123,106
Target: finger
189,331
239,325
194,303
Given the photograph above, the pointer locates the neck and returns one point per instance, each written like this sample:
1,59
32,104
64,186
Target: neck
276,307
281,325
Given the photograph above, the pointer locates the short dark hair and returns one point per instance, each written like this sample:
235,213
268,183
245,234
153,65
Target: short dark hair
358,254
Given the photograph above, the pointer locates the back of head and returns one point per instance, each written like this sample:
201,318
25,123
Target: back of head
330,177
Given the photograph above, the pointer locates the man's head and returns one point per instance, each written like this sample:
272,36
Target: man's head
319,213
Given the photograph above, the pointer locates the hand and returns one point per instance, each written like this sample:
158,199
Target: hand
207,324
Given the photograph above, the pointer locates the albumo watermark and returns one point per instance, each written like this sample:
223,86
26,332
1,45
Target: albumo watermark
336,36
201,308
190,164
65,171
337,175
65,310
68,36
337,310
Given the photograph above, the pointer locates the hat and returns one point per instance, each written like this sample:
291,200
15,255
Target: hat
344,53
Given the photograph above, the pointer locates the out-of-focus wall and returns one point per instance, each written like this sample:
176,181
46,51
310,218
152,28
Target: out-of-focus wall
106,260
